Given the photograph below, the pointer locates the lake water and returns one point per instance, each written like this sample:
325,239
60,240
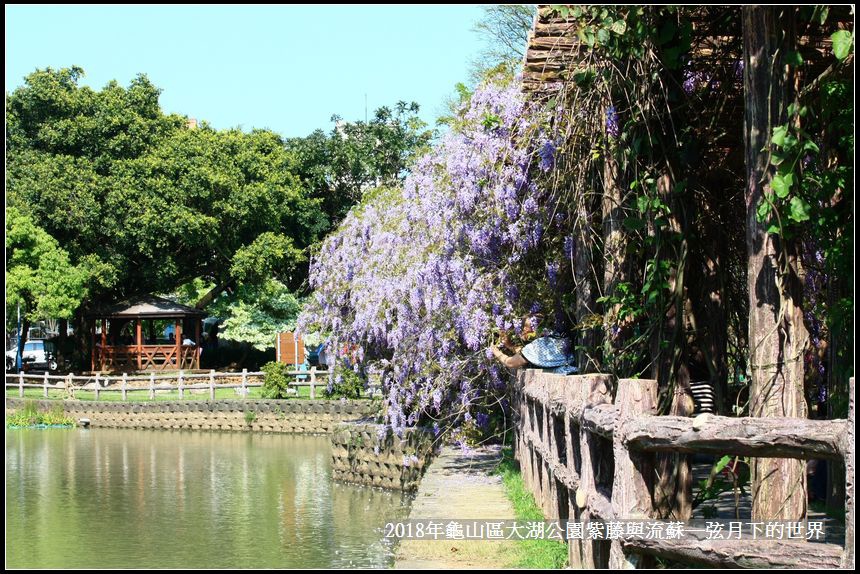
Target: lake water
105,498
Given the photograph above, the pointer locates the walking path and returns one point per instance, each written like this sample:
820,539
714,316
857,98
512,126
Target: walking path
457,487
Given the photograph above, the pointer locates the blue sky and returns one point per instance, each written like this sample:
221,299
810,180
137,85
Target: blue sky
286,68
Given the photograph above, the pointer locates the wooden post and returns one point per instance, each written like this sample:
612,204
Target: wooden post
244,383
849,452
124,387
177,331
631,496
93,347
98,386
139,329
181,386
199,342
21,385
69,383
151,386
104,345
212,385
45,384
597,392
313,382
673,488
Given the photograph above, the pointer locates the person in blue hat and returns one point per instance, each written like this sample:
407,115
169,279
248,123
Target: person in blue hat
549,351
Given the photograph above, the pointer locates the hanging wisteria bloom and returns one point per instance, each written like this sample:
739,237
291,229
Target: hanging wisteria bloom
418,282
547,156
612,128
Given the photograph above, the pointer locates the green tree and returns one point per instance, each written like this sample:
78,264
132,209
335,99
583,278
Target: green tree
256,313
356,156
148,202
39,276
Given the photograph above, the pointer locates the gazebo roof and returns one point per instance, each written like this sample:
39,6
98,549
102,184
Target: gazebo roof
149,307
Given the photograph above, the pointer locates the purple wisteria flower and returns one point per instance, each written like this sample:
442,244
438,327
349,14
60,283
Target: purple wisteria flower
552,274
569,247
419,277
612,128
547,156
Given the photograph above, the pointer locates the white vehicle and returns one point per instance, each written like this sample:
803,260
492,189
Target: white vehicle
35,354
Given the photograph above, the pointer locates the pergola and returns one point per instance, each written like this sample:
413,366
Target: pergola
113,351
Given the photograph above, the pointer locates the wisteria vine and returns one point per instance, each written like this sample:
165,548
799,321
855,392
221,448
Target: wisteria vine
416,283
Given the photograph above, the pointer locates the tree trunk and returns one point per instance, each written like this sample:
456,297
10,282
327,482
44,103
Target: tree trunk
22,340
212,294
584,284
777,334
614,260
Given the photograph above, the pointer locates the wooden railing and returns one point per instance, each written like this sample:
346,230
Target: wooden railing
586,457
181,382
152,357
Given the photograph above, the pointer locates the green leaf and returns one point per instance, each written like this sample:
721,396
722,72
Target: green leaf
842,41
799,210
603,36
781,185
779,134
810,146
723,463
794,59
584,79
777,157
762,210
619,27
633,223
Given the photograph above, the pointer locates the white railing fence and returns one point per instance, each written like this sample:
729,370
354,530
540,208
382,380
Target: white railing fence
182,382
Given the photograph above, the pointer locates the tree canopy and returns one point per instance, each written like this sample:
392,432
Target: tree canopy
356,156
154,202
39,275
138,201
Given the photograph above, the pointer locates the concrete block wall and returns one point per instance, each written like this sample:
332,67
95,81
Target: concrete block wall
279,416
360,456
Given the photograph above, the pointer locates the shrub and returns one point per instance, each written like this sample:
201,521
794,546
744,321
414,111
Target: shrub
276,381
346,384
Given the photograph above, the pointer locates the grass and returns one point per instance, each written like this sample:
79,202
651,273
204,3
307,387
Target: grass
30,415
143,395
542,554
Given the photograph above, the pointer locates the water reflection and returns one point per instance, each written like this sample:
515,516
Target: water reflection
107,498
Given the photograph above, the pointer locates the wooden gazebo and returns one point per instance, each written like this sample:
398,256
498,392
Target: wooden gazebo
123,344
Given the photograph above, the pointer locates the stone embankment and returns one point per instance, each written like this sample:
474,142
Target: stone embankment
277,416
361,455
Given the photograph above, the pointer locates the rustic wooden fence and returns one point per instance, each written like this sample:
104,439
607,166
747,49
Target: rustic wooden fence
181,382
586,457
